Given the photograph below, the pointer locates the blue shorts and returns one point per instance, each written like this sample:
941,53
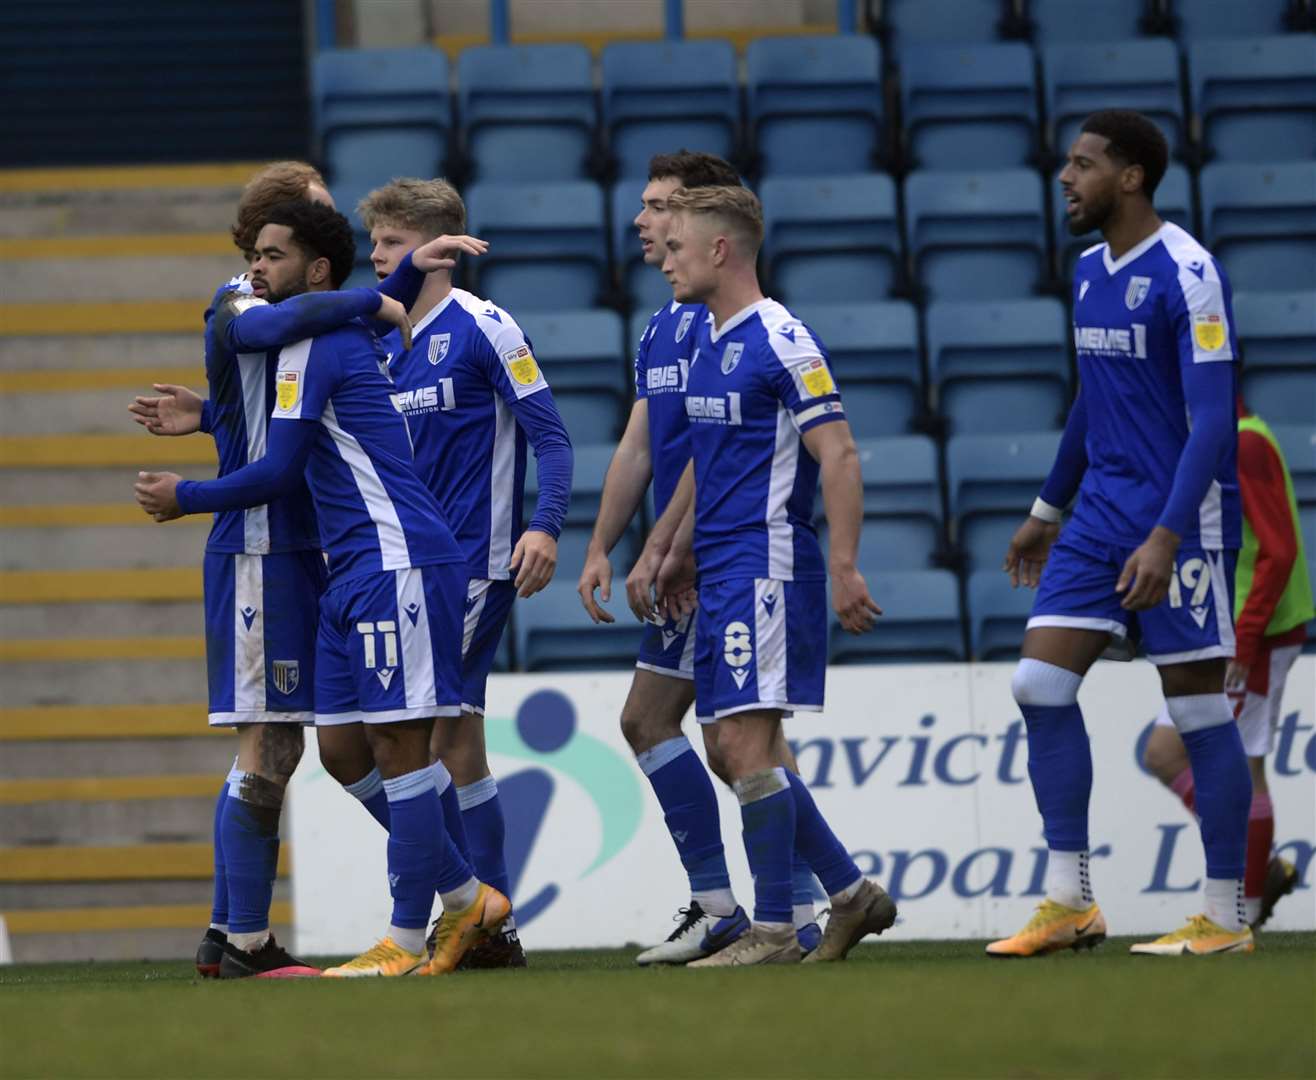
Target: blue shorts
760,644
389,647
261,615
668,647
488,606
1194,622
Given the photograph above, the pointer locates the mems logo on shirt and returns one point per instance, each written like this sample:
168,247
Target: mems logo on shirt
711,409
1109,341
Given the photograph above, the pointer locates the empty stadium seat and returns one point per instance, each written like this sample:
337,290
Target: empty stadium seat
644,116
1260,221
976,235
920,620
579,350
1084,21
1278,335
874,346
900,477
815,103
999,366
1174,202
381,113
969,103
998,615
553,633
829,239
547,243
991,483
527,111
911,21
1255,98
1079,79
1214,19
645,287
1298,443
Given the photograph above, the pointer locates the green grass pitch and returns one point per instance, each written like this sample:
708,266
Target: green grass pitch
909,1009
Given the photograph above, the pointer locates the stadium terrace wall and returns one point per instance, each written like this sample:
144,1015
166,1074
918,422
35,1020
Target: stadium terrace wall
921,770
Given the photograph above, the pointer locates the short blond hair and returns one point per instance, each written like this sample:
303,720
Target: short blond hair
278,182
431,207
737,208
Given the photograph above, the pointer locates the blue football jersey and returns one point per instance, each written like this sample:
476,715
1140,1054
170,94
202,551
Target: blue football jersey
241,394
375,512
466,386
662,366
756,385
1139,322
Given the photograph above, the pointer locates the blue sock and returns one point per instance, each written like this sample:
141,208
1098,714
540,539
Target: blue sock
689,805
452,809
1223,783
825,854
250,834
1060,767
219,902
415,846
767,810
369,791
486,832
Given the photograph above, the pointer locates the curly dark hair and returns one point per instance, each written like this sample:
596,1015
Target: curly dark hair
694,168
1134,140
321,232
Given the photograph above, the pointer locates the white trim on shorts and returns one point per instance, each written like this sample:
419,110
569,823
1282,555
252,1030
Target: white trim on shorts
1211,652
673,673
386,716
783,707
1079,622
259,716
473,710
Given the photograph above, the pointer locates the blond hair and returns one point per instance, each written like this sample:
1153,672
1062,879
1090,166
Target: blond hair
737,208
278,182
431,207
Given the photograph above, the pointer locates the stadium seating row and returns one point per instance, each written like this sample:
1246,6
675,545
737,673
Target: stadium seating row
533,113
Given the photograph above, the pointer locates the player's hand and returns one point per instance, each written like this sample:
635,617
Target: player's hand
676,585
1145,578
1236,678
533,560
157,495
1028,551
597,574
640,582
392,312
176,411
441,252
857,610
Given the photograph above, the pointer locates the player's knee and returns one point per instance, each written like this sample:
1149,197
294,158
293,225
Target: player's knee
717,762
642,730
1036,682
1164,755
281,747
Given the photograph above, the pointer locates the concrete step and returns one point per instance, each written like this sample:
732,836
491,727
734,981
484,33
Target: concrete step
84,411
65,943
134,450
90,480
181,276
98,317
189,820
62,895
96,621
168,584
163,861
110,757
122,350
108,682
100,547
82,214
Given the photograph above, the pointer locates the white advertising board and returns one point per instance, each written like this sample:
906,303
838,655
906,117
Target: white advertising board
921,771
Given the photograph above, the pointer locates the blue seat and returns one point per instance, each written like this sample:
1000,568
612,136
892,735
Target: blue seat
381,113
999,366
645,287
591,466
829,239
1214,19
1261,223
998,615
553,633
912,21
547,243
976,235
643,115
1298,444
1084,21
1080,79
579,350
1174,202
874,345
527,111
1278,329
920,621
1255,98
900,478
991,483
969,103
815,103
898,543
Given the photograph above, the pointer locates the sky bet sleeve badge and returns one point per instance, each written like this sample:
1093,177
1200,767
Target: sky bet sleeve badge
817,379
521,365
1209,332
287,388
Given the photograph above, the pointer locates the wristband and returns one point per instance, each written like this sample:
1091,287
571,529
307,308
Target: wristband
1046,512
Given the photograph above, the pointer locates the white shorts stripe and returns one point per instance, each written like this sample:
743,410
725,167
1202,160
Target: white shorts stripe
688,653
256,412
770,638
414,628
248,640
1221,600
477,592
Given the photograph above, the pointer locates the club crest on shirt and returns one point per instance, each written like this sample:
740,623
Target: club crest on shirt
287,675
439,347
731,358
1136,293
683,327
287,388
1209,332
